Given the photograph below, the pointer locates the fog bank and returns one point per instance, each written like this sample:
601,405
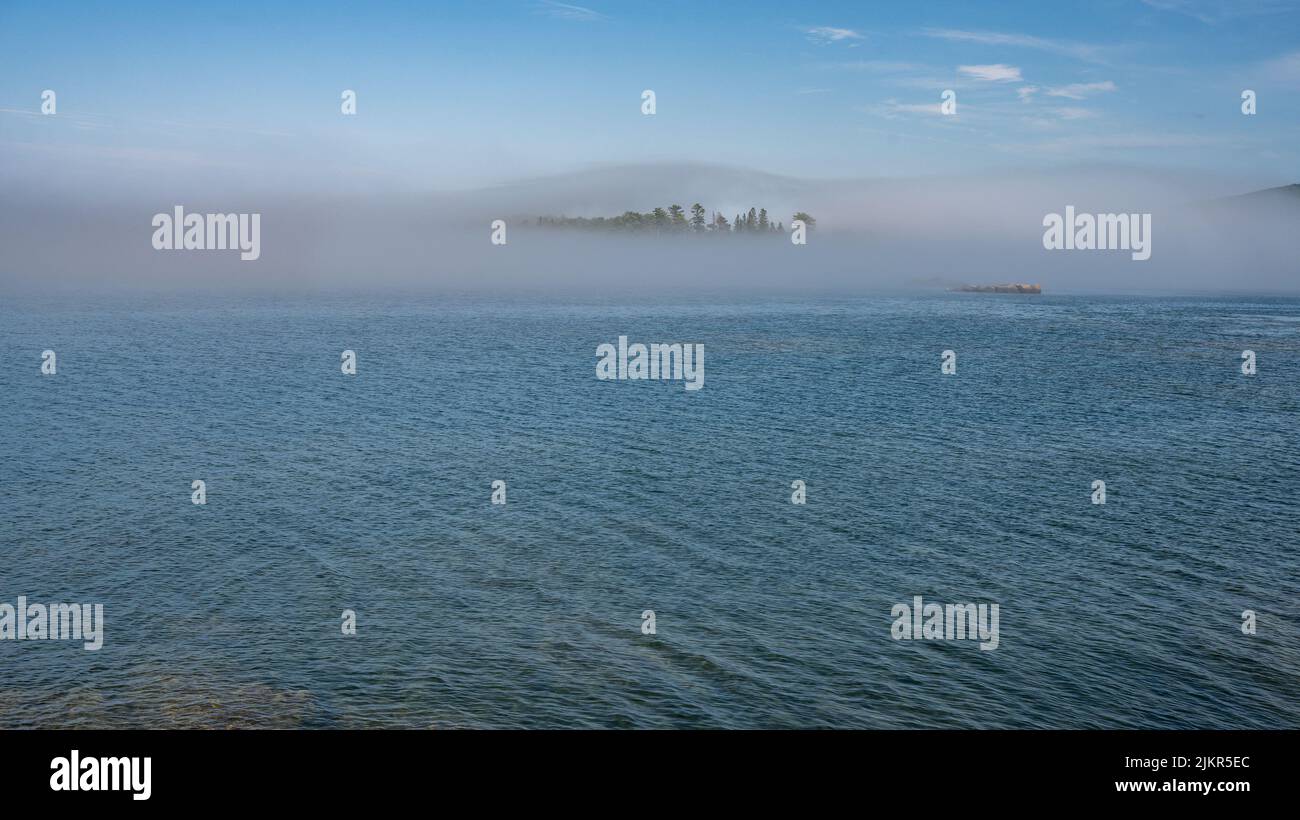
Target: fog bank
871,234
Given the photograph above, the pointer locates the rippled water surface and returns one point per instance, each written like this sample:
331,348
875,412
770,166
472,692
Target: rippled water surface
328,492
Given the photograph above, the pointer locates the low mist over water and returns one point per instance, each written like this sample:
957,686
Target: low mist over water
870,235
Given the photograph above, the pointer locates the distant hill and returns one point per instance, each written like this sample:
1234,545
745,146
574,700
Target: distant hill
1282,194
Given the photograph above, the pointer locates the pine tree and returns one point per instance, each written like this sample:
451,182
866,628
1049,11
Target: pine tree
697,217
677,217
659,218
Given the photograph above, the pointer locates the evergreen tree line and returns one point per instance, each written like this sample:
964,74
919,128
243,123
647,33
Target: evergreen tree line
673,219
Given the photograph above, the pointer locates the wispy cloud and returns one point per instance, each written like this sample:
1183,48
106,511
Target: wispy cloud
892,109
1283,70
913,108
900,74
22,112
1054,118
996,73
1079,91
873,66
565,11
1080,51
1027,92
145,157
1213,12
1076,145
1180,7
830,34
1072,113
90,120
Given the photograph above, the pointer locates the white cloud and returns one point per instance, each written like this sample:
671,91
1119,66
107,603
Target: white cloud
1078,91
1073,146
873,66
1284,70
1213,12
1072,113
565,11
996,73
1181,8
916,108
891,109
901,74
830,34
996,38
1052,118
1026,92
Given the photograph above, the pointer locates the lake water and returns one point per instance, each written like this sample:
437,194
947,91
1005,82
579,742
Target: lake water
371,492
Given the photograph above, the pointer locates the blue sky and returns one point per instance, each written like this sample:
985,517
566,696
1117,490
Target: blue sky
458,94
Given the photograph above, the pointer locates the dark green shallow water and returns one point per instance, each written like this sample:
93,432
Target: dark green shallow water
328,492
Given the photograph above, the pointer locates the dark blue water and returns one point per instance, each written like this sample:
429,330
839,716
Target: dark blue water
371,492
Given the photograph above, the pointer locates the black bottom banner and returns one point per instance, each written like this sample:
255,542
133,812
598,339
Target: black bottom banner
144,769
